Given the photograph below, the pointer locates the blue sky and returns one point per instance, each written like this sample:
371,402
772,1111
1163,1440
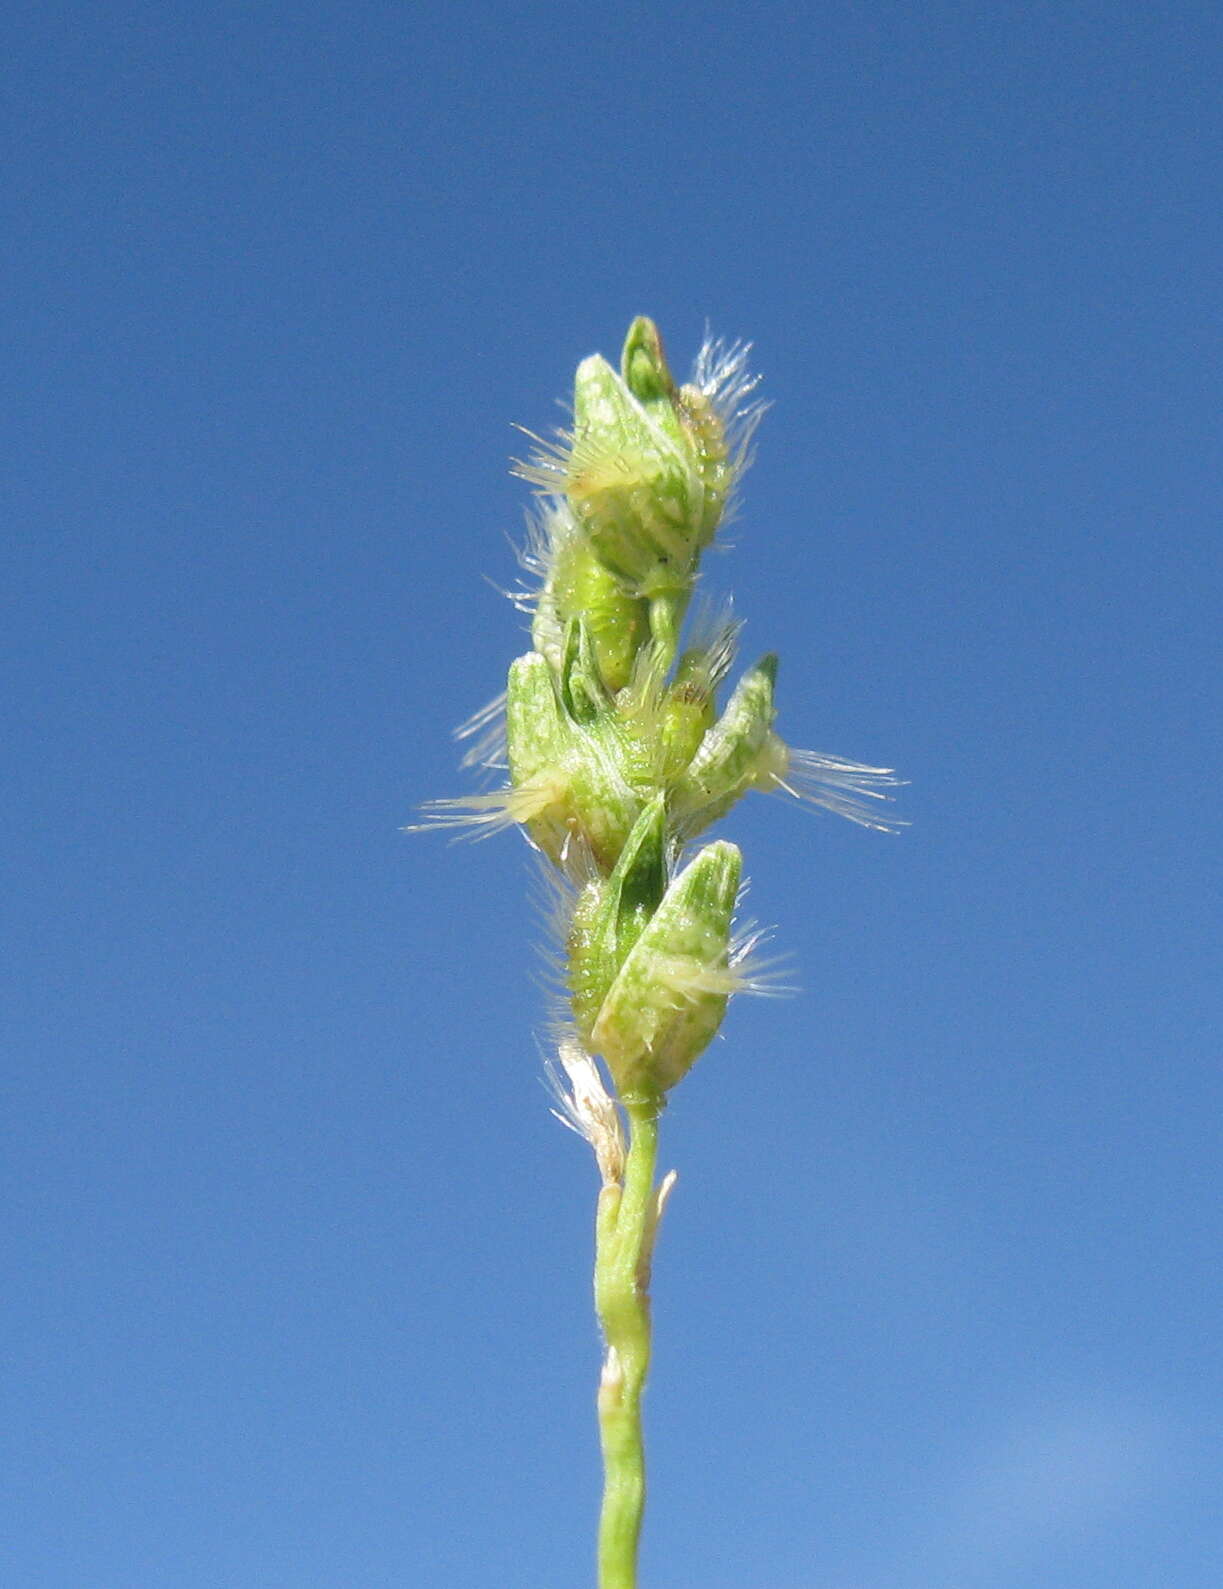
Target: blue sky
297,1258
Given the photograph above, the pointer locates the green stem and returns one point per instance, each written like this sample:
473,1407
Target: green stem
624,1240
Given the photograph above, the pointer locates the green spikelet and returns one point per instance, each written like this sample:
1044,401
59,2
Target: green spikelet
669,996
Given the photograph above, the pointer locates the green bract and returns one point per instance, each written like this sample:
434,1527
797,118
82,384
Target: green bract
609,917
669,996
578,585
633,472
726,762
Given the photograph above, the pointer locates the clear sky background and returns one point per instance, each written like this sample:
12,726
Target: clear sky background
297,1260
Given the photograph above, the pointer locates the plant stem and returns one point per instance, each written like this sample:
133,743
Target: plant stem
624,1242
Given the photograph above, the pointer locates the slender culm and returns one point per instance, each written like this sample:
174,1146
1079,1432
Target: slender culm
617,759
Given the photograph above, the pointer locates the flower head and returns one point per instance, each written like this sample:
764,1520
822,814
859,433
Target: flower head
618,755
